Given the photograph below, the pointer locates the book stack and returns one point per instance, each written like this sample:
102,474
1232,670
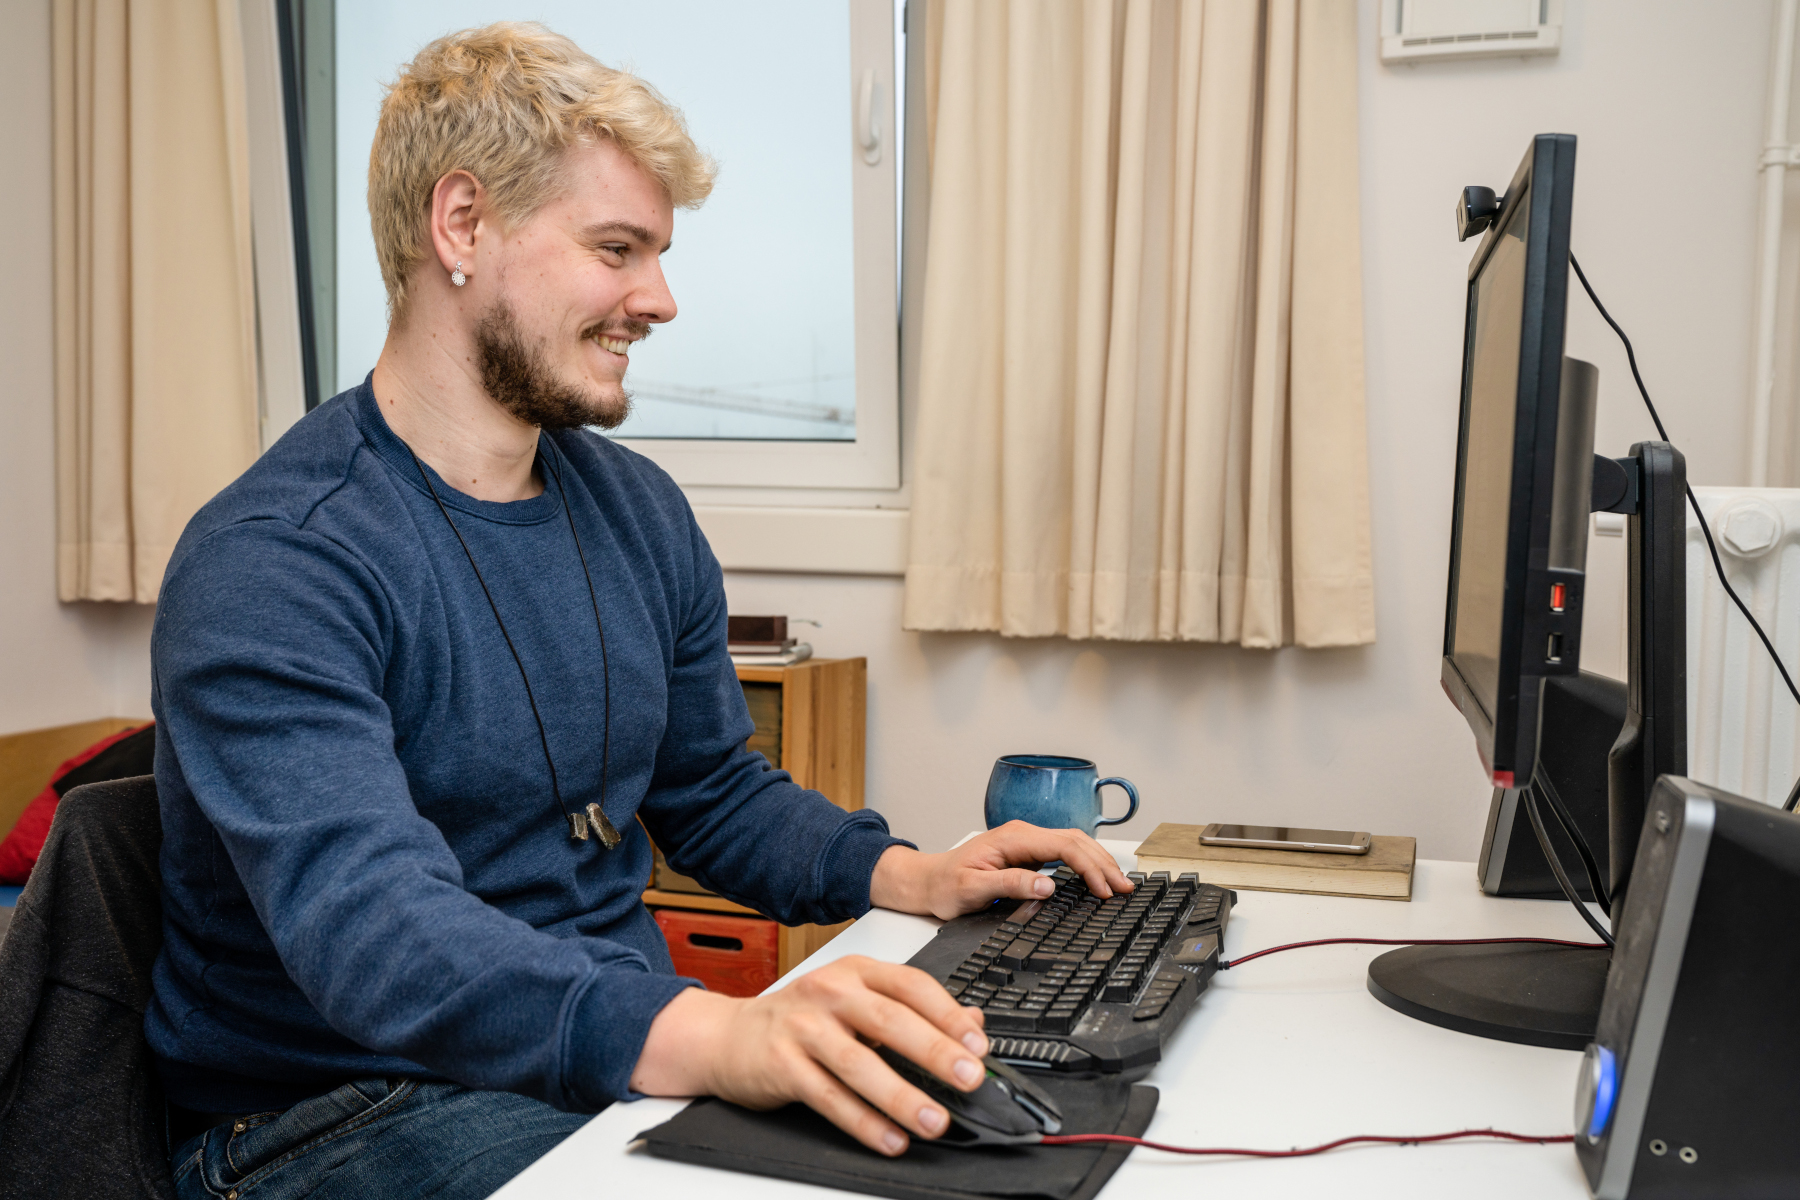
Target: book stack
763,642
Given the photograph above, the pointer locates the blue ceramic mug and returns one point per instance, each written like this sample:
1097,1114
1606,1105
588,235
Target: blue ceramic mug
1051,791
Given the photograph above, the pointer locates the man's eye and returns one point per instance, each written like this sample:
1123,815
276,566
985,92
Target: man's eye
618,250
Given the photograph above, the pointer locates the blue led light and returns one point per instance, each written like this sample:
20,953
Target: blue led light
1606,1090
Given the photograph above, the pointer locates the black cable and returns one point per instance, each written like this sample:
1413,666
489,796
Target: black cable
1540,778
1556,867
517,661
605,673
1712,548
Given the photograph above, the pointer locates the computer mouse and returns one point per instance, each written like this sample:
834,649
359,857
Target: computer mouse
1006,1110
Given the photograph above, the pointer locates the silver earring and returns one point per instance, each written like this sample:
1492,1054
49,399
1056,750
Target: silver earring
456,276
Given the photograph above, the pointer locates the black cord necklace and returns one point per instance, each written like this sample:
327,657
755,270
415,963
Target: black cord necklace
595,818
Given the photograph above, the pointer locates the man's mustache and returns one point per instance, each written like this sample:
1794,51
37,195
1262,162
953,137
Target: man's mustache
635,331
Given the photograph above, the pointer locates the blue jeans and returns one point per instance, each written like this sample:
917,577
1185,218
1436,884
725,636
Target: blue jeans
375,1137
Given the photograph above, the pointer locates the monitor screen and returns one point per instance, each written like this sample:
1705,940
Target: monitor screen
1519,526
1496,308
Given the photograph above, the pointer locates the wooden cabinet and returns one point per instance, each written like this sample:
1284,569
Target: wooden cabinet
810,721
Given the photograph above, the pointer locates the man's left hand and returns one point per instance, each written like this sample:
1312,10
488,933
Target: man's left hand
1000,863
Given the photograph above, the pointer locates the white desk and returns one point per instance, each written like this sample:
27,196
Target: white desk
1290,1050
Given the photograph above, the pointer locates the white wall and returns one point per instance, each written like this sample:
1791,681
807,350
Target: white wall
59,663
1668,108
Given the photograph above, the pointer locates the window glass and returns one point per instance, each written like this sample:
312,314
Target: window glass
764,343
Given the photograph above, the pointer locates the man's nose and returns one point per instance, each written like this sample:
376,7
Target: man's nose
651,300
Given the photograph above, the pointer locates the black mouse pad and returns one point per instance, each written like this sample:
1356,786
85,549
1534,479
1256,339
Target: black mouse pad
796,1143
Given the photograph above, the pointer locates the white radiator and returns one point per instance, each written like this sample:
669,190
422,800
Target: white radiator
1743,725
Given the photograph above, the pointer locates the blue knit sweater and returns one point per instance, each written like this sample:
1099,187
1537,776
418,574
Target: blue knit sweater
364,871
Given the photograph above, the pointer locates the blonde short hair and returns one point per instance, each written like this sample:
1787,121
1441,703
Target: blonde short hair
503,103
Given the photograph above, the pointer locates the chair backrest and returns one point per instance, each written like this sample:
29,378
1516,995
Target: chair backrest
80,1112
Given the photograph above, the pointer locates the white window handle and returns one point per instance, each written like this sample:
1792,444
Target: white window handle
868,125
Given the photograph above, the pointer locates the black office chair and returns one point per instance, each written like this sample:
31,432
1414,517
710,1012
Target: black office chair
80,1110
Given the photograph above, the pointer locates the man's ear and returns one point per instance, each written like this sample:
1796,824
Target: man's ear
458,206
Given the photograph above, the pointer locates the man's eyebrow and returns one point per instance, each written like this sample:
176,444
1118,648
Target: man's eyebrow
595,234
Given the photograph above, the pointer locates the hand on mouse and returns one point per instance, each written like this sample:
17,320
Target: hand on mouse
808,1042
1002,862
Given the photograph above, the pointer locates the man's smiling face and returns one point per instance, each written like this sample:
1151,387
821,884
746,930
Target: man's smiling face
578,284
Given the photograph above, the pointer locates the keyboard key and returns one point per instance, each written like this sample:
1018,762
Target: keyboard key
1045,960
1009,1020
999,976
1104,954
1148,1012
1014,957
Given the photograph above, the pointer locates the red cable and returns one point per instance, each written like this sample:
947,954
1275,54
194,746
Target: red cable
1225,965
1076,1139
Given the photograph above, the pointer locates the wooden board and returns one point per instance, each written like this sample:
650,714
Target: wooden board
694,901
824,725
27,760
1384,873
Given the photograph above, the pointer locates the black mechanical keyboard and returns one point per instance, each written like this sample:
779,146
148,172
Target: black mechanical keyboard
1076,983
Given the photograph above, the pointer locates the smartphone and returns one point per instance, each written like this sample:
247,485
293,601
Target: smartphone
1283,837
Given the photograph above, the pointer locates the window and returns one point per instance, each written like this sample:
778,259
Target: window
782,368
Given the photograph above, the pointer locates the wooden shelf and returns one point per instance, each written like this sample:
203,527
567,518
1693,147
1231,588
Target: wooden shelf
698,901
816,734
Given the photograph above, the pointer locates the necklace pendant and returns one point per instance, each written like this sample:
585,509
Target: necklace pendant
603,828
578,830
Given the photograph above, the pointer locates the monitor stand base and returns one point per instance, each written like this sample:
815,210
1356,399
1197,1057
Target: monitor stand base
1523,992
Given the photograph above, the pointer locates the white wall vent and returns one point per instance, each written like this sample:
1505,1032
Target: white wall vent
1743,726
1423,30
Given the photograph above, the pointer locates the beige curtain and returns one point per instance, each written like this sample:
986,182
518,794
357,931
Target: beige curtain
155,299
1141,388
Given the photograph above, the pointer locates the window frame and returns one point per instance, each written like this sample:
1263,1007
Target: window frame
822,471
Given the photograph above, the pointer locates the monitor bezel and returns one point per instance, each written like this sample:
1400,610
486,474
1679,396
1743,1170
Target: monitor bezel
1507,737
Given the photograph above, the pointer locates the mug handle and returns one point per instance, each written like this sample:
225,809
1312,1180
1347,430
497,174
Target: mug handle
1129,791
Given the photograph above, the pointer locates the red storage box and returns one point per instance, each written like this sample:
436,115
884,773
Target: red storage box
734,956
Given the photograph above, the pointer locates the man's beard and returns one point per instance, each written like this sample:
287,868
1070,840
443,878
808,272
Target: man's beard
519,377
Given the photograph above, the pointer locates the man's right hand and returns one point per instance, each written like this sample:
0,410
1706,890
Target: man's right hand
810,1042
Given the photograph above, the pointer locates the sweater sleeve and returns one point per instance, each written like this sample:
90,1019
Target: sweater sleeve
271,698
719,811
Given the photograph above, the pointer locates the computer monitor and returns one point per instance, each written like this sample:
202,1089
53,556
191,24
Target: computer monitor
1524,472
1525,484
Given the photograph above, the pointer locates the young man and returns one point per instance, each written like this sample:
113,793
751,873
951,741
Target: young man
422,670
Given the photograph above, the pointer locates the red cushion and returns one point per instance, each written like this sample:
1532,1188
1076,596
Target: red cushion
19,852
